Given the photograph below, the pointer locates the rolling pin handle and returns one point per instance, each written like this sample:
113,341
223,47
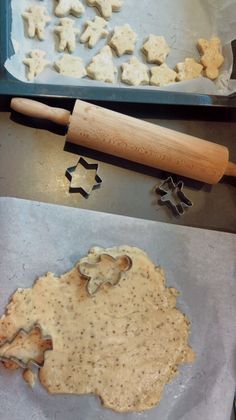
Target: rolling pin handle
231,169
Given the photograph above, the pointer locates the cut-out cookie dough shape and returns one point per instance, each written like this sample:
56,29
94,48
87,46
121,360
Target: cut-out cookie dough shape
72,66
123,40
36,63
162,75
102,67
67,33
106,270
94,31
37,19
211,56
188,70
106,7
135,73
156,49
66,7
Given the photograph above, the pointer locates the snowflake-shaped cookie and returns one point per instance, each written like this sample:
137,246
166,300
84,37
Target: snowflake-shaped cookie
72,66
123,40
135,73
37,19
94,31
156,49
106,7
211,56
36,63
67,34
102,67
162,75
66,7
188,70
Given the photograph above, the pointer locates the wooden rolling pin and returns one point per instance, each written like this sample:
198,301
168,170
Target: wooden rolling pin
136,140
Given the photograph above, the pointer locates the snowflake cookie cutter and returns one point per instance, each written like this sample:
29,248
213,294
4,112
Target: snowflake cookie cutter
172,194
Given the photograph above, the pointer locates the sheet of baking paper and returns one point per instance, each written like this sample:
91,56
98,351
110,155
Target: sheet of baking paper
182,22
36,238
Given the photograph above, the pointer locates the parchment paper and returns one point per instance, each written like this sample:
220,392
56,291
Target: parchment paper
182,22
201,264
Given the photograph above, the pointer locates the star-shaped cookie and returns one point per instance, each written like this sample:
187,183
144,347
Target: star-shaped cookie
123,40
69,65
37,19
211,56
188,70
36,63
162,75
66,7
135,73
156,49
94,31
102,67
106,7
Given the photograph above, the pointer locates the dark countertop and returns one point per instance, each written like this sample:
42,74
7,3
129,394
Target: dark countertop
33,164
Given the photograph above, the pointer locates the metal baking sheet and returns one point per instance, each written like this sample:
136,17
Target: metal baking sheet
36,238
94,91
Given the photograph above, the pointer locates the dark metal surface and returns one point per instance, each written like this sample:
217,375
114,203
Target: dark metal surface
11,86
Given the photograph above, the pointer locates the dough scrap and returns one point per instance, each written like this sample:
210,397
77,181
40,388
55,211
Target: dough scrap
67,34
188,70
162,75
211,56
72,66
36,63
156,49
135,73
66,7
94,31
102,67
124,343
123,40
29,377
106,7
37,19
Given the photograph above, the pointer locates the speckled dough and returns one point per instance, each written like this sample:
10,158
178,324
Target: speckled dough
94,31
65,7
106,7
123,40
135,73
188,70
70,65
162,75
102,67
37,19
156,49
211,56
67,33
124,343
36,63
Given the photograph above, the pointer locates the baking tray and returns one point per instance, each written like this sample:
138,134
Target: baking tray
11,86
38,237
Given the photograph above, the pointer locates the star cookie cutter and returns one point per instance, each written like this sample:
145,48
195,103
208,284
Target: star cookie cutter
45,343
173,195
83,177
106,270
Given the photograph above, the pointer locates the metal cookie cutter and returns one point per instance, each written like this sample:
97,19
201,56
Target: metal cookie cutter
173,195
83,177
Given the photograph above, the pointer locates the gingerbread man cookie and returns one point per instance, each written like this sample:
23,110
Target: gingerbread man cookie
135,73
106,7
156,49
123,40
94,31
102,67
72,66
162,75
37,20
67,34
188,70
66,7
211,56
36,63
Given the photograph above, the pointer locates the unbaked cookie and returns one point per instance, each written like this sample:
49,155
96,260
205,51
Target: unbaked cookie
94,31
72,66
37,19
135,73
67,34
188,70
106,7
211,56
36,63
66,7
123,40
162,75
102,67
156,49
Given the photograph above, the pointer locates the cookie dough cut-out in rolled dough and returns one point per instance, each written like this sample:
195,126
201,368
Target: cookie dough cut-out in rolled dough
162,75
106,7
188,70
123,40
94,31
36,63
66,7
102,67
37,18
211,56
135,73
67,34
156,49
70,65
